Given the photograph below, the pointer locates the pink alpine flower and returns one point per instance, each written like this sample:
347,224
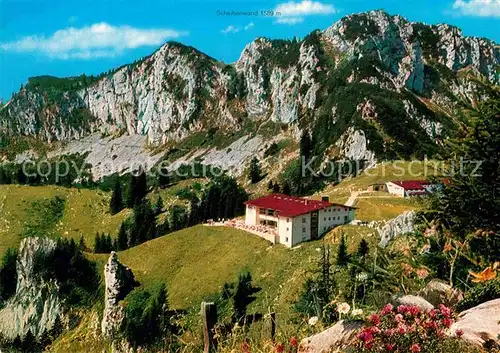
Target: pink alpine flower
415,348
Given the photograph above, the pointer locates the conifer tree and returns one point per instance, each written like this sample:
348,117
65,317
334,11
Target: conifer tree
163,178
159,205
121,240
98,243
116,203
81,243
254,173
363,248
342,254
286,189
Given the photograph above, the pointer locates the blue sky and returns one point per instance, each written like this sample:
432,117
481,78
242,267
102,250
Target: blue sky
71,37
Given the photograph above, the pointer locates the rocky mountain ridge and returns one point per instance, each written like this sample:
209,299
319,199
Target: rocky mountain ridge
372,86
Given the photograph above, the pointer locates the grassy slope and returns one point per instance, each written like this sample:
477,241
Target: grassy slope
197,261
85,213
379,205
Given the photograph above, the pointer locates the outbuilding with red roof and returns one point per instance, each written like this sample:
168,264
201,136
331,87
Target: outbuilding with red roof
406,188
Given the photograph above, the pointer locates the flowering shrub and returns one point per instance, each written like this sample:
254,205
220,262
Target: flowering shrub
405,329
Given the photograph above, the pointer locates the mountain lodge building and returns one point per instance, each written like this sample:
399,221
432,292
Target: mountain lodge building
294,219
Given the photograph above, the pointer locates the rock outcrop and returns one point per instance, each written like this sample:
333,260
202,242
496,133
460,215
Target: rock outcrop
439,292
36,303
334,339
119,281
480,325
404,70
402,224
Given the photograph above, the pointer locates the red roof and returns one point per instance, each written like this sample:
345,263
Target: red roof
412,184
291,206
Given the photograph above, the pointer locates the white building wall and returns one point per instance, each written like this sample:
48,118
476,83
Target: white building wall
333,216
251,214
395,189
301,230
285,226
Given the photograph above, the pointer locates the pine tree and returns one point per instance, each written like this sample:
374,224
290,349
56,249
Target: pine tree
254,173
8,274
116,203
286,189
342,254
29,343
56,329
81,243
142,186
3,177
363,249
242,296
108,244
305,146
137,189
121,240
159,205
163,178
98,243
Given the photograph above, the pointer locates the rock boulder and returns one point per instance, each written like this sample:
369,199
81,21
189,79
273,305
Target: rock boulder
438,292
337,337
480,324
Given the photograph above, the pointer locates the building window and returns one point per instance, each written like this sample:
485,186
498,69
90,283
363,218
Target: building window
339,218
262,210
329,218
288,219
346,218
325,218
303,220
287,229
303,230
286,239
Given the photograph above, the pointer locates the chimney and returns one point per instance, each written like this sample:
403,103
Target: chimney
325,198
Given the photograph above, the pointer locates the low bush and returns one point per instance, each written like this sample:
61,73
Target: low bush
479,294
409,329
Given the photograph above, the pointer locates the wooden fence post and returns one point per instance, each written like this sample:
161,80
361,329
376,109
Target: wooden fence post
272,323
209,319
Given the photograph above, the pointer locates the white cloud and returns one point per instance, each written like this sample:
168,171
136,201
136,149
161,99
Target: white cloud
248,26
235,29
230,29
289,20
481,8
95,41
304,8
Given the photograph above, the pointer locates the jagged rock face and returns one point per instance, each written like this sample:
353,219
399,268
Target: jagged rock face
404,47
402,224
119,281
36,304
353,145
353,84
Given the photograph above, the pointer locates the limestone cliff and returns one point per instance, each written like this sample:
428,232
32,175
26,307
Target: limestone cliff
411,75
36,304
